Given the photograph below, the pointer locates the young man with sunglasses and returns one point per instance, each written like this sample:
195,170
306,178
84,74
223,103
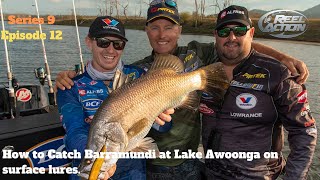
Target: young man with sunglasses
263,97
106,40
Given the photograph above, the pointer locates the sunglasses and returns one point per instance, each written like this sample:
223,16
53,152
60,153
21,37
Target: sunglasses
105,42
237,31
170,3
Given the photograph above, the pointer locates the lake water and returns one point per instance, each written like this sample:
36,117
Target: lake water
26,55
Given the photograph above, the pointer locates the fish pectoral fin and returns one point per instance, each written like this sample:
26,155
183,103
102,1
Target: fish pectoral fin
137,128
146,144
137,132
191,101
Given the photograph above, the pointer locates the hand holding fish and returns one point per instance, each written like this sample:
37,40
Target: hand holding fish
164,117
110,172
102,176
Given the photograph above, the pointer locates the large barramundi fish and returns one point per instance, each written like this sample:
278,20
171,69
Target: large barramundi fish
126,116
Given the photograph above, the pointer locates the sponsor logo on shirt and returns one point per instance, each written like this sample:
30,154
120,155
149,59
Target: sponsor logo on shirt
205,109
192,67
246,101
305,110
245,115
92,104
206,96
254,76
132,75
311,131
80,84
188,58
88,119
82,92
93,82
95,91
258,87
302,97
309,123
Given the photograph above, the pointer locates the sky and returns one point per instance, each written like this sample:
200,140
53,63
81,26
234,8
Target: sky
91,7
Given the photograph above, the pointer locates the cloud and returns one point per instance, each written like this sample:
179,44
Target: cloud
85,4
55,1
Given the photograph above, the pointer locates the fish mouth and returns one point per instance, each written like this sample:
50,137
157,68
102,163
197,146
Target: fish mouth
95,168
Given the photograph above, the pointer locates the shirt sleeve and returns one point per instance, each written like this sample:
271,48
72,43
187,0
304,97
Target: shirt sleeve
71,111
205,51
294,112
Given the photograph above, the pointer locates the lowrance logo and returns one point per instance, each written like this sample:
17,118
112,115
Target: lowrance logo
283,23
92,104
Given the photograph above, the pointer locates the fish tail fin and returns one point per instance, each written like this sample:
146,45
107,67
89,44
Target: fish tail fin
191,101
214,80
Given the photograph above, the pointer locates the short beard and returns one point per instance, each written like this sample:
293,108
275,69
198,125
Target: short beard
231,59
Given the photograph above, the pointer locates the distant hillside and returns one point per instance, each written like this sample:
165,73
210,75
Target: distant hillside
256,13
313,12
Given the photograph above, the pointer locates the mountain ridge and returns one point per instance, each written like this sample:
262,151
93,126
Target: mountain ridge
313,12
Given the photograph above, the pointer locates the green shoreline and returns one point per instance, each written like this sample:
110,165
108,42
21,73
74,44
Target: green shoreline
312,33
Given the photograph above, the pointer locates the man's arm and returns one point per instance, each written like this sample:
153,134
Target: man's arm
294,112
294,65
72,117
205,52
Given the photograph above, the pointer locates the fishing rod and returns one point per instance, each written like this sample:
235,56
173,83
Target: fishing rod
12,98
51,92
79,44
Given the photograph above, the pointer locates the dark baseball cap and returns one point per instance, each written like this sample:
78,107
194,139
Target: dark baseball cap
107,25
163,9
233,14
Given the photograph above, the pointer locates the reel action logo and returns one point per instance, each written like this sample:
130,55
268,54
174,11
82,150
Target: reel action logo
283,23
